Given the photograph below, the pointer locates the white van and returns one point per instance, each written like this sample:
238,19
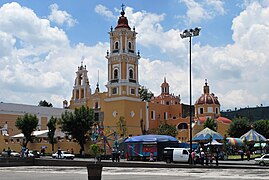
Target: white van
176,155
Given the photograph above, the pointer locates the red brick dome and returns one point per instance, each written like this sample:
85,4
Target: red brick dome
207,99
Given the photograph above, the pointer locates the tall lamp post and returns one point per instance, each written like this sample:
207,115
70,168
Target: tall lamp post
189,34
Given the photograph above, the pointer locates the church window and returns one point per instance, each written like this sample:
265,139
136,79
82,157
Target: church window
182,126
132,91
116,74
165,115
167,102
116,45
217,111
130,45
96,105
152,115
131,74
201,111
114,91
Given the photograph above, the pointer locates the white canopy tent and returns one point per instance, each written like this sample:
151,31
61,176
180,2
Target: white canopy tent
41,134
213,143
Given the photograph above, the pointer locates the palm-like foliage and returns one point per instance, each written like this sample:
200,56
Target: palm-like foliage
211,124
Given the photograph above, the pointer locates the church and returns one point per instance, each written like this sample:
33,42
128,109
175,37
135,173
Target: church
120,111
122,100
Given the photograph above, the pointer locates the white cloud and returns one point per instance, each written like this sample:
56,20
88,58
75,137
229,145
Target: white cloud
38,59
61,17
198,11
100,9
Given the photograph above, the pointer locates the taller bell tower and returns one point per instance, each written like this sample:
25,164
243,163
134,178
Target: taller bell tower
123,82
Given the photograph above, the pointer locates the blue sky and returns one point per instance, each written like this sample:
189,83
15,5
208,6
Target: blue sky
42,43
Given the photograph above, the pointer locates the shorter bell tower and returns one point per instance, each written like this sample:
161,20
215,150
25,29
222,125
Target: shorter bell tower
81,90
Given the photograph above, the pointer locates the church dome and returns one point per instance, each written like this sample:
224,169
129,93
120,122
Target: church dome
207,98
122,22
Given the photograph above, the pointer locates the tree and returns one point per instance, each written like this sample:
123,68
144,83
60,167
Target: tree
145,94
238,127
211,124
52,127
166,129
78,124
262,127
96,151
121,126
27,124
44,103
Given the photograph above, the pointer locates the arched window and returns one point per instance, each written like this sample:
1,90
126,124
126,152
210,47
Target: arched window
116,45
131,74
182,126
116,74
130,45
96,105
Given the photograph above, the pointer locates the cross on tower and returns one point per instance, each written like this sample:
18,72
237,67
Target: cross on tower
122,6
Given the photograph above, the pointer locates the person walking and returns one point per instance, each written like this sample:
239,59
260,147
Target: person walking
193,157
59,153
217,157
248,154
202,155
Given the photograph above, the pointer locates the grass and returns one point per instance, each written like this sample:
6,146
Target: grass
237,157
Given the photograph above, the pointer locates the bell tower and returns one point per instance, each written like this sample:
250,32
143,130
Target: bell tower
122,62
81,90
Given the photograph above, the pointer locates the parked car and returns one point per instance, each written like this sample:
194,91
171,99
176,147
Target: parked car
12,154
34,153
176,155
264,160
63,155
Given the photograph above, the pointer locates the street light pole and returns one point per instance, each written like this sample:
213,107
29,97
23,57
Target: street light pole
189,34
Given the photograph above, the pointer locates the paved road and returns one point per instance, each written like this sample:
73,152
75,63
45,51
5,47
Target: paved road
114,173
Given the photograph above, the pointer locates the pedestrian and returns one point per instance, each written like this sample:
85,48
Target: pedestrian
217,157
202,155
242,154
211,159
151,158
193,157
113,154
59,153
248,154
206,158
26,152
8,152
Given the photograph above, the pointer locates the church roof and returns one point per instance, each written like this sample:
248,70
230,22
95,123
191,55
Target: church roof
20,109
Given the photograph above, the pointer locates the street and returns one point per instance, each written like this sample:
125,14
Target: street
115,173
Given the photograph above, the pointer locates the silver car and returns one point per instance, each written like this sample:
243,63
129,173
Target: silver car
262,161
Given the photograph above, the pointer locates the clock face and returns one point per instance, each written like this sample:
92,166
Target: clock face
132,113
114,113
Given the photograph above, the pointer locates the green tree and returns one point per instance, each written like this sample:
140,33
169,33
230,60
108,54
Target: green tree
145,94
78,124
166,129
52,127
96,151
121,126
262,127
211,124
27,124
238,127
45,103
